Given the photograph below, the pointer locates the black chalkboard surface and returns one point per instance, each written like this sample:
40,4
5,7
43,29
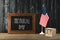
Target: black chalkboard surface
21,23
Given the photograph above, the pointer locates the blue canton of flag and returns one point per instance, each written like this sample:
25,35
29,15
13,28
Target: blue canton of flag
44,10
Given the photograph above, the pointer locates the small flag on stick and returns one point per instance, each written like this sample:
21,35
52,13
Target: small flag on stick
44,20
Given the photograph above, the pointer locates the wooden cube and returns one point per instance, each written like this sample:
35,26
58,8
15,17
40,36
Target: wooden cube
50,32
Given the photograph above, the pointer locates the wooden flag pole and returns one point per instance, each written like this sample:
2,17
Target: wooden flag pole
42,30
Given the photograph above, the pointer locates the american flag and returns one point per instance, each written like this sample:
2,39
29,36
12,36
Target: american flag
44,20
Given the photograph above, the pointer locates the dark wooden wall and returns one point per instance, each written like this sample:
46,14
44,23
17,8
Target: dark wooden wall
30,6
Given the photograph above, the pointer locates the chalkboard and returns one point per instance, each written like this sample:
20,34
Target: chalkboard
21,23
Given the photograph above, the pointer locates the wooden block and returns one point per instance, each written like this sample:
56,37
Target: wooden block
50,32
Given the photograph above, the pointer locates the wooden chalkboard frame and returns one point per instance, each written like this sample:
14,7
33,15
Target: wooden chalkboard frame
24,31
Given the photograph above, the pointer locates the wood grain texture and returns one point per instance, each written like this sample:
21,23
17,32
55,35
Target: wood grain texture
7,36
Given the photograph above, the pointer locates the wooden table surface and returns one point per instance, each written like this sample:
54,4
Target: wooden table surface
6,36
